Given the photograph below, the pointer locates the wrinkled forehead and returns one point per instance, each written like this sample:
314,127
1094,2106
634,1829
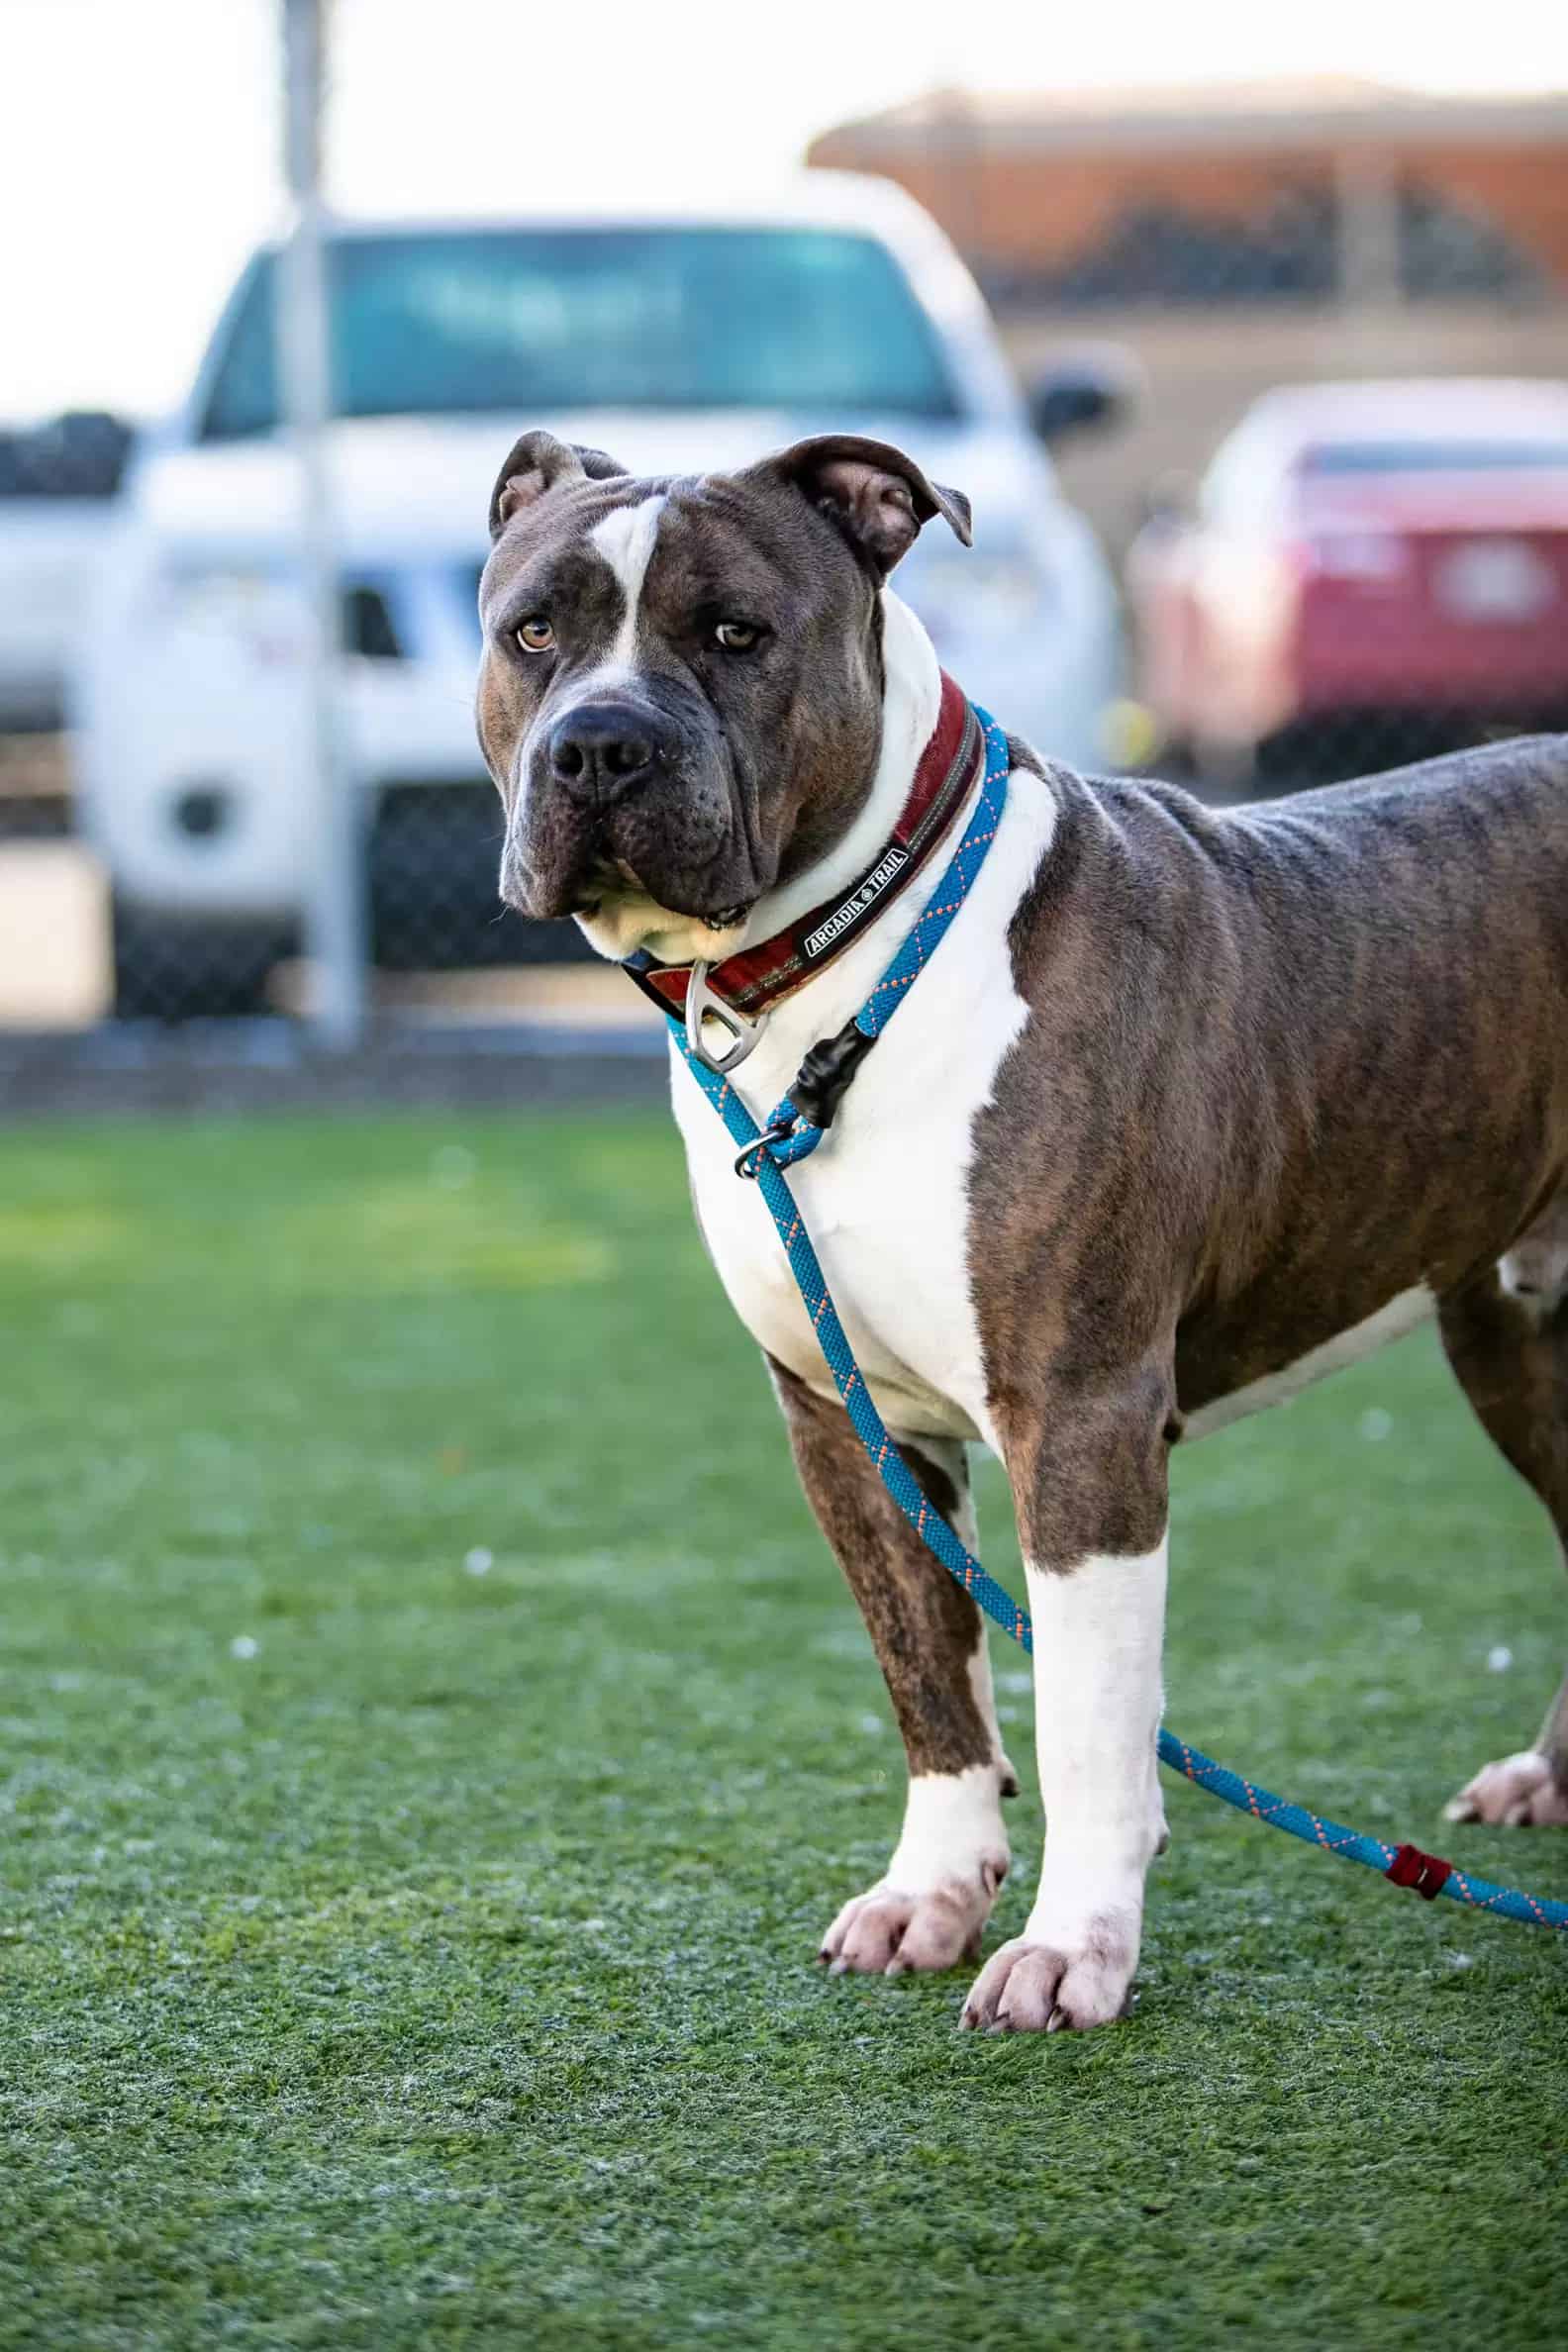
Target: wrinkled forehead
670,544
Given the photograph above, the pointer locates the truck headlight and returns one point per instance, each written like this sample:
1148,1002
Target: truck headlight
257,603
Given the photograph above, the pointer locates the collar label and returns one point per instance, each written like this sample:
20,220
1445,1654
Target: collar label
859,903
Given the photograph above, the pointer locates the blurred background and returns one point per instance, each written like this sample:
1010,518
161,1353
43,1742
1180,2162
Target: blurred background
1251,345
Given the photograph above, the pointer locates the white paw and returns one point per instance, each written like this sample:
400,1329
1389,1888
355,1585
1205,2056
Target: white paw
1519,1790
1069,1983
890,1929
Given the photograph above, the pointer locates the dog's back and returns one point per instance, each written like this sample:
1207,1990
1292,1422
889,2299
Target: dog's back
1324,1042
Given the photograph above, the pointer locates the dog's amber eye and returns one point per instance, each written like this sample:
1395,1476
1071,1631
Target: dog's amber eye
536,635
736,636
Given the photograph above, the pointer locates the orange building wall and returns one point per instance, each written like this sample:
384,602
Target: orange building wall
1047,208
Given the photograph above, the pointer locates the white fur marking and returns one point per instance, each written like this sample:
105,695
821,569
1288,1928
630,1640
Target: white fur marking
1535,1272
625,538
1402,1315
1098,1634
952,1829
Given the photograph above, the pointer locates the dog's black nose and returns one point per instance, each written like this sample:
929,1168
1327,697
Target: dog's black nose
603,749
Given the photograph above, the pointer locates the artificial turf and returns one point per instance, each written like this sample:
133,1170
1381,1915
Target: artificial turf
434,1738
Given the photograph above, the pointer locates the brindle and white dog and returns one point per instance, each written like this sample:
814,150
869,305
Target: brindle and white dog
1189,1109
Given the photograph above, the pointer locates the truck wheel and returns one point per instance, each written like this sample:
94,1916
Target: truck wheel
167,968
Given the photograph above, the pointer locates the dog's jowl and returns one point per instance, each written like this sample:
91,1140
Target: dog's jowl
1189,1108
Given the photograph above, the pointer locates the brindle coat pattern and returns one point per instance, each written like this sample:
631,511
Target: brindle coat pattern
923,1626
1281,1064
1250,1076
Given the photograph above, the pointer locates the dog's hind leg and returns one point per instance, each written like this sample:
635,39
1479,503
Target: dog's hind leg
1507,1338
929,1906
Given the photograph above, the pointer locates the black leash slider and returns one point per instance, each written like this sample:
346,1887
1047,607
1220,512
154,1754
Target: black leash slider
822,1079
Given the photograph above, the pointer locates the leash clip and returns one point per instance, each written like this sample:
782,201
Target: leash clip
702,1005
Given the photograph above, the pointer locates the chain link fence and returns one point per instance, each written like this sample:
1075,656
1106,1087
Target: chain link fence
1420,535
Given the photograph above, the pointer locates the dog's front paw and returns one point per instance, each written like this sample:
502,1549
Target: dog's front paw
890,1929
1051,1984
1519,1790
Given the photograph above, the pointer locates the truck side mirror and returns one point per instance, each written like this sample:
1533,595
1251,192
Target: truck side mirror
1085,392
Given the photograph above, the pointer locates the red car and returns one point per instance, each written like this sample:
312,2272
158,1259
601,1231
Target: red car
1362,554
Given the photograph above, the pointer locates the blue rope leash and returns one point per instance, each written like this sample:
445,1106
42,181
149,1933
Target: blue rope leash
788,1138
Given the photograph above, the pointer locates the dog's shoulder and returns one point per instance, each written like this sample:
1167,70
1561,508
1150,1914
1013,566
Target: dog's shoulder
1127,853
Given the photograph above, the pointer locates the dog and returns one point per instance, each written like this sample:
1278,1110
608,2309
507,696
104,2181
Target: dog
1190,1108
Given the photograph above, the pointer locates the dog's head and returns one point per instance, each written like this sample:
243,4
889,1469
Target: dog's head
680,694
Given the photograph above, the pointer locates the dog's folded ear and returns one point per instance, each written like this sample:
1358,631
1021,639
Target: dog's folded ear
537,465
878,496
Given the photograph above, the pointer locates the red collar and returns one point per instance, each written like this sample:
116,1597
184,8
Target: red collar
758,977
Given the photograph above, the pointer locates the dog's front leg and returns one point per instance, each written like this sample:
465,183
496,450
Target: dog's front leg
929,1906
1088,1479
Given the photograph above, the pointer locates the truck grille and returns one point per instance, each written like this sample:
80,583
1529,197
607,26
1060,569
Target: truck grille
368,626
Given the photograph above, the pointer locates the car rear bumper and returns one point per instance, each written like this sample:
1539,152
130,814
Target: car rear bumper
1477,622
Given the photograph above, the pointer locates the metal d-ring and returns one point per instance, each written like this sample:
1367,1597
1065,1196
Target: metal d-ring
702,1005
748,1159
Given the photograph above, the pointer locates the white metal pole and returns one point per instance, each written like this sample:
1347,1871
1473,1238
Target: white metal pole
335,914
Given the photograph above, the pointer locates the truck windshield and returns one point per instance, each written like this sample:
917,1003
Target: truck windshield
450,322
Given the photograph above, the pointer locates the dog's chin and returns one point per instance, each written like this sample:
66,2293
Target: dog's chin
623,921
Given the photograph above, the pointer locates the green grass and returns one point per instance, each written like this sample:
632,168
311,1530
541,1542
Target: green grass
440,1971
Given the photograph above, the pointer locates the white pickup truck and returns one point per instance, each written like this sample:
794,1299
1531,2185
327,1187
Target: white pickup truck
680,341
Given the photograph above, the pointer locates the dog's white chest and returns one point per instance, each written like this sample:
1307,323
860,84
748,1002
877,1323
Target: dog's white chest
885,1196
